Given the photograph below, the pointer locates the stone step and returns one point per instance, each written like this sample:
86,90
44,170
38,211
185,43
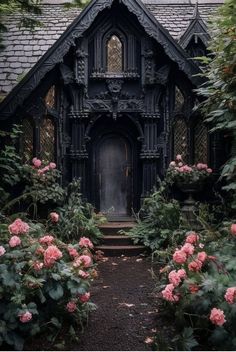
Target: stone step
113,228
117,251
117,240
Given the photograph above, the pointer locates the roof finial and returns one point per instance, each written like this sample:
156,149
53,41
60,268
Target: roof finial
196,13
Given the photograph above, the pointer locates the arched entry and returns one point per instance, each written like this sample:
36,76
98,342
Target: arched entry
114,182
113,170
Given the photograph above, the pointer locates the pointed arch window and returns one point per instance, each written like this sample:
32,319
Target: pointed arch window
114,55
50,98
200,143
179,99
27,140
180,138
47,139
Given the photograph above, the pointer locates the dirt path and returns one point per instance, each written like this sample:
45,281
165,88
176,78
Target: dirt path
125,314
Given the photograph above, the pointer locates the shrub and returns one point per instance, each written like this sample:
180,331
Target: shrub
43,281
200,292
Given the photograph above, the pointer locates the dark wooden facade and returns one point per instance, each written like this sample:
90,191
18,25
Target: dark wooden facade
112,103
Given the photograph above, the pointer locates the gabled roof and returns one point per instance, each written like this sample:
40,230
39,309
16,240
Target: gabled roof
197,28
56,52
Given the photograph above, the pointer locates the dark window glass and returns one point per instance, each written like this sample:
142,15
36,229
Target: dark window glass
114,55
47,140
179,99
27,140
200,143
50,100
180,132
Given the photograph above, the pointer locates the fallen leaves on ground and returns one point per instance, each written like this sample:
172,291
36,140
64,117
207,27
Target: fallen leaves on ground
128,305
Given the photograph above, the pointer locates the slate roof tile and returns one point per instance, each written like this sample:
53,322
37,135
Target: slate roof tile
23,48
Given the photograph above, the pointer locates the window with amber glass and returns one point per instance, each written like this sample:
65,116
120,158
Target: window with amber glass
27,140
47,140
180,138
200,143
50,99
114,55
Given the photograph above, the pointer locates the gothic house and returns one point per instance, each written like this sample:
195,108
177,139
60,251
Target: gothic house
108,93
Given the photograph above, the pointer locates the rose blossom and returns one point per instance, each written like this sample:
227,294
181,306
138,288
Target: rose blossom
14,241
174,278
37,162
2,250
195,265
73,252
54,217
172,164
167,293
188,248
71,306
37,265
84,298
18,227
217,317
192,238
47,239
179,157
182,273
52,166
209,170
85,242
51,254
179,256
193,288
230,295
201,166
202,256
201,245
84,260
25,317
83,274
40,250
233,229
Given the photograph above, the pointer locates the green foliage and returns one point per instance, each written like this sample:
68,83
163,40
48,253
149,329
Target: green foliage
220,90
160,217
43,291
77,218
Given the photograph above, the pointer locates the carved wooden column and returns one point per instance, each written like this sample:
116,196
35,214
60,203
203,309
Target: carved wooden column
150,153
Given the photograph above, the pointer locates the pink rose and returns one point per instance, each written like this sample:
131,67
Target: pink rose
40,250
172,164
85,242
36,162
73,252
48,239
25,317
202,256
182,273
201,166
52,166
84,298
2,250
18,227
188,248
195,265
45,169
217,317
83,274
14,241
179,157
233,229
209,170
192,238
51,254
201,245
71,306
174,278
54,217
167,293
180,164
179,257
37,265
193,288
230,295
84,260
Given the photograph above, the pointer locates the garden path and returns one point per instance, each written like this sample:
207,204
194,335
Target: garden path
126,316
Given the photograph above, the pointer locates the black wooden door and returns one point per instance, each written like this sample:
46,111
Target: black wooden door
114,175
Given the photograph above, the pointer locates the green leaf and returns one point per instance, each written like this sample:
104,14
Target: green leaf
56,291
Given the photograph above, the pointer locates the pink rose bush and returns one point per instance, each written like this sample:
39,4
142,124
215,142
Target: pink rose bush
179,172
217,317
54,217
46,272
230,295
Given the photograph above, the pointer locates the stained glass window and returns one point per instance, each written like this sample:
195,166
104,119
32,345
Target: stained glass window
47,140
27,140
180,140
50,98
114,55
200,143
179,99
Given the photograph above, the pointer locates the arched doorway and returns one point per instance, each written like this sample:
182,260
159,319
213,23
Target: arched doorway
114,185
